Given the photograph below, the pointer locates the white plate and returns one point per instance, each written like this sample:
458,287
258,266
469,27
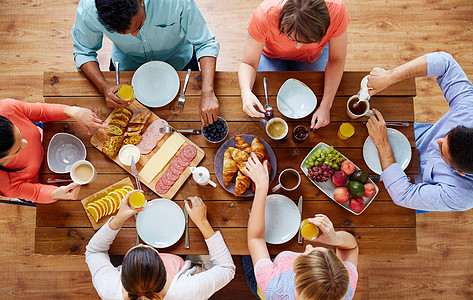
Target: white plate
155,83
401,149
295,99
281,219
161,224
63,151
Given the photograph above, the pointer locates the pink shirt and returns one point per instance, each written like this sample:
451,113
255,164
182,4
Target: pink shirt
263,27
24,184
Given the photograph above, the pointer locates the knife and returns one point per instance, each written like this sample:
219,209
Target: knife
299,236
389,123
135,173
186,216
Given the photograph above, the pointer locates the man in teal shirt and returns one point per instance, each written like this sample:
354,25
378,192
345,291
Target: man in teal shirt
142,31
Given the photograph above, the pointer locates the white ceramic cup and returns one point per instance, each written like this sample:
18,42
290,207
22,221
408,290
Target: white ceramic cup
267,124
368,112
75,177
279,186
201,175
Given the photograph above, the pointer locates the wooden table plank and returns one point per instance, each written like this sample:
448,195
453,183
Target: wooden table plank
235,214
392,108
326,134
57,241
226,83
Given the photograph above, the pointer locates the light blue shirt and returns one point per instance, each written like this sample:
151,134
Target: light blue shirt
438,186
170,31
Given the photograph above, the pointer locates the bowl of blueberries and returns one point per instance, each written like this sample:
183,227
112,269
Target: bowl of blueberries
216,132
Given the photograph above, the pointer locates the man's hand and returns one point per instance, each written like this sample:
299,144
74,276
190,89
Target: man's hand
208,108
320,118
110,94
378,80
252,106
67,192
379,135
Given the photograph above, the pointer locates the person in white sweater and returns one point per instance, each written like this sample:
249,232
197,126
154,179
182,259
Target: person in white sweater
147,274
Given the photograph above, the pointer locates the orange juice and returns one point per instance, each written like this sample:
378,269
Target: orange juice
126,93
137,200
308,230
346,131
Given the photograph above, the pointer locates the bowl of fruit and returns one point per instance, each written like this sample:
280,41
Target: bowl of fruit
339,178
216,132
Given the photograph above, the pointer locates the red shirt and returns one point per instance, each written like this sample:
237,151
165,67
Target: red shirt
263,27
24,184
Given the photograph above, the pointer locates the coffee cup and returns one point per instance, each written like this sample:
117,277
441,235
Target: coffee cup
362,110
201,175
289,180
83,172
276,128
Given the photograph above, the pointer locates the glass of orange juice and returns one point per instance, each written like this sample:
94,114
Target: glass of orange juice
137,199
309,231
126,93
346,131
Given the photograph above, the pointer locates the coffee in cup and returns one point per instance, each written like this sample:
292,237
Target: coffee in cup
276,128
289,180
83,172
356,111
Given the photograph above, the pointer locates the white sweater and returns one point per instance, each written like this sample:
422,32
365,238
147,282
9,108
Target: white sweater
185,285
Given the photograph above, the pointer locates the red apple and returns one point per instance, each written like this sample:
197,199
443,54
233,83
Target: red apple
370,190
348,167
357,204
341,194
339,178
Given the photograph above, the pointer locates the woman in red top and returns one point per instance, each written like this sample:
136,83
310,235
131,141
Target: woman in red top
21,148
293,35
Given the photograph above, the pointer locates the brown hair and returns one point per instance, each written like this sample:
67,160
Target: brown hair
320,275
305,21
143,273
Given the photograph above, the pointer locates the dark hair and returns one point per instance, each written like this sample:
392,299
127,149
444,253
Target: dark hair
306,21
7,140
116,15
143,273
460,145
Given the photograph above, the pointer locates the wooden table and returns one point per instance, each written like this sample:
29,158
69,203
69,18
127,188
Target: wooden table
63,227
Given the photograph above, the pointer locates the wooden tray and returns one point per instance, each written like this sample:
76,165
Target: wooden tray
100,194
100,136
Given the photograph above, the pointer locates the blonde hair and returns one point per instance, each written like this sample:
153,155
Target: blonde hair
320,275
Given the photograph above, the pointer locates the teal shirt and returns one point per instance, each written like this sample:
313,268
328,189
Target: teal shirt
171,30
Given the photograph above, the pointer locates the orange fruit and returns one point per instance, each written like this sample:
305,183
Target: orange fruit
111,203
121,192
98,208
93,212
108,209
127,188
116,198
102,206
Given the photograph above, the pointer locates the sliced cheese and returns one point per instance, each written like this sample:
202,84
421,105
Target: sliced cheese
161,157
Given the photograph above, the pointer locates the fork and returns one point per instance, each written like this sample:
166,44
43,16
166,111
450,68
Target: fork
182,97
184,131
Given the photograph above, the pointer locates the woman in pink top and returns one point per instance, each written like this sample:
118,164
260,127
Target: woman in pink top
294,35
318,273
21,148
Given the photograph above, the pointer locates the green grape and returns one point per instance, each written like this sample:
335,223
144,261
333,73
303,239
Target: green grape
310,164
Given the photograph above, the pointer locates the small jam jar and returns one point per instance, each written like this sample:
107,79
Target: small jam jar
300,134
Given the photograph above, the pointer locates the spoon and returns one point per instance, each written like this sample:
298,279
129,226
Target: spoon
268,108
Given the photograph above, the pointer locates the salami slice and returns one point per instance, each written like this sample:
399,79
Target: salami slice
189,152
184,163
175,170
165,181
161,189
170,176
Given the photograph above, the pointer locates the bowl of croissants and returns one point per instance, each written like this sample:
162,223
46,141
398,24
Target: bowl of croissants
231,158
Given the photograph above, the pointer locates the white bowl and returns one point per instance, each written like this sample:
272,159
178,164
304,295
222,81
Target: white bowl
126,152
63,151
295,99
155,83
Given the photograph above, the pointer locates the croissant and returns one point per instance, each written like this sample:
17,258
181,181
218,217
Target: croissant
228,153
266,157
240,158
240,143
257,148
241,184
229,167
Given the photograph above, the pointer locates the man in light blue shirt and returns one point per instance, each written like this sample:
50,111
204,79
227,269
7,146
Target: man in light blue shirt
142,31
445,182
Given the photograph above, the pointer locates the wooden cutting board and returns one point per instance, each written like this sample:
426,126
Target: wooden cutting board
98,139
100,194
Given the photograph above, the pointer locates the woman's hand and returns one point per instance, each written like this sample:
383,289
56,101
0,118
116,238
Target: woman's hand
85,117
198,214
328,236
257,171
124,212
252,106
320,118
67,192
